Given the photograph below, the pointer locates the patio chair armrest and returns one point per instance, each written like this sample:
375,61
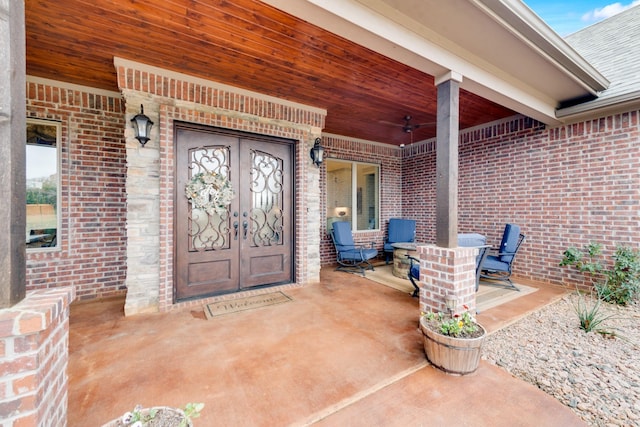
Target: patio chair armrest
412,259
348,247
505,253
360,247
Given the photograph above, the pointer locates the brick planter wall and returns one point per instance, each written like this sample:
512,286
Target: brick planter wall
34,341
447,272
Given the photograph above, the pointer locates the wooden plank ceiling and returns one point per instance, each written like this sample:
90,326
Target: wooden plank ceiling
243,43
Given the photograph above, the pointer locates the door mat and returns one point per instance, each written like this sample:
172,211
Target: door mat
243,304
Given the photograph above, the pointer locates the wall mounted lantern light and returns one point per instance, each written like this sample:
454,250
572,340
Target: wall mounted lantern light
142,126
317,152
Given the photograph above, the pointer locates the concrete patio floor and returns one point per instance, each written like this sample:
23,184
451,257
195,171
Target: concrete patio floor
344,352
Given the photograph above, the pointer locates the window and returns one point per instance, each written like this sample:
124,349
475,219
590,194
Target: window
353,194
43,184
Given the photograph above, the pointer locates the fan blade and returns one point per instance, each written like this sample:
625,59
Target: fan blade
422,125
384,122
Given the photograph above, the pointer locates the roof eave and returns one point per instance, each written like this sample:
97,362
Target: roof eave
532,29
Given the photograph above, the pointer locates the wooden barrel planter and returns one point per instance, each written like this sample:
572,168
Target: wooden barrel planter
458,356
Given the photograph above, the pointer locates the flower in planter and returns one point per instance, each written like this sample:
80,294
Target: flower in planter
452,342
462,325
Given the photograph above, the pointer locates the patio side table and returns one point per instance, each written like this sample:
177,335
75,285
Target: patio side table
402,264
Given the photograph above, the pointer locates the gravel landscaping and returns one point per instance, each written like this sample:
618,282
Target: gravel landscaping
596,375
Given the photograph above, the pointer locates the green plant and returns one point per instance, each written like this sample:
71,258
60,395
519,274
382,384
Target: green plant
584,263
590,315
457,325
620,283
623,281
191,411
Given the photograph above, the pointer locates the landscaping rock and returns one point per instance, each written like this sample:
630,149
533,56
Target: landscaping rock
594,374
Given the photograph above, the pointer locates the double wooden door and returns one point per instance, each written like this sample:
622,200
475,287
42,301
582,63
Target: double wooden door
251,242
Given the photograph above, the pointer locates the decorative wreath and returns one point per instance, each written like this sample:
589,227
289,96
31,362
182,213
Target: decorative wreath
210,192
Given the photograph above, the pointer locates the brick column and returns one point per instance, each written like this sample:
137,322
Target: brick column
447,271
34,341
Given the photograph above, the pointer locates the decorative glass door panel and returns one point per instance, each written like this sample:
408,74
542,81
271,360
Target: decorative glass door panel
209,231
266,249
267,200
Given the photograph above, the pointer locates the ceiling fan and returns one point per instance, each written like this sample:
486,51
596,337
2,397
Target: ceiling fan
407,127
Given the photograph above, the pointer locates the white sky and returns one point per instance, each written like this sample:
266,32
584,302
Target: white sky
41,161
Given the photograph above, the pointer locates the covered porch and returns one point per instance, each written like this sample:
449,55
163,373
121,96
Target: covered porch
344,352
505,124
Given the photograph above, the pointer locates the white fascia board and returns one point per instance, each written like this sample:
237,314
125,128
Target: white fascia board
529,28
421,49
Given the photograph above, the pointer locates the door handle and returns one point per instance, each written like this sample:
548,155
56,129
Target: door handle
235,229
245,226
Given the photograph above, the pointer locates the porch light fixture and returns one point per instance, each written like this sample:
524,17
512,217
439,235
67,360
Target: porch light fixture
317,152
142,126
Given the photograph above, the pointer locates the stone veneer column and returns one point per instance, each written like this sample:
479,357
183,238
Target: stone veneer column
309,227
34,340
143,212
447,271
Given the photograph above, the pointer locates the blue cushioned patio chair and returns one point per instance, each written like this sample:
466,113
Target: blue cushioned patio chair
400,231
351,257
497,266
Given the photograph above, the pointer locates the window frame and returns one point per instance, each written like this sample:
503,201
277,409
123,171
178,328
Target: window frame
355,194
58,126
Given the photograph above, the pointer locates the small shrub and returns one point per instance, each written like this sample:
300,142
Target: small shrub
620,284
591,317
623,281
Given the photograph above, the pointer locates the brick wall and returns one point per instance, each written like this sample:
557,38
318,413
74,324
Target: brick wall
92,239
390,161
34,340
565,186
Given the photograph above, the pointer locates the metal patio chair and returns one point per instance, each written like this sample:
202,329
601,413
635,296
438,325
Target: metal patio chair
351,257
400,231
497,266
